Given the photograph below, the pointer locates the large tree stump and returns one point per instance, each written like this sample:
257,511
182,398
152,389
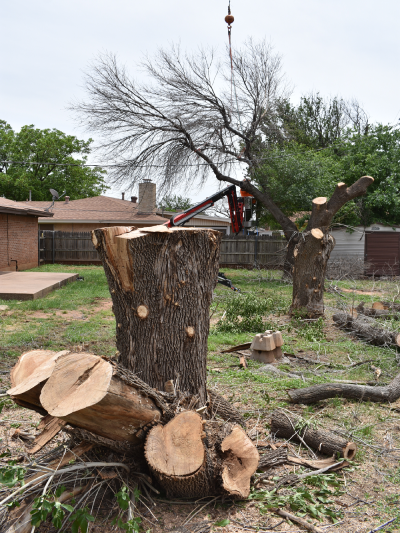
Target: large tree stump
161,282
192,458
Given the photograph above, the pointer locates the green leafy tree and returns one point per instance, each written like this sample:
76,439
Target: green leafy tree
376,153
174,202
44,154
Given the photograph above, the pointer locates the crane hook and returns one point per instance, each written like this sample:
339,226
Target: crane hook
229,18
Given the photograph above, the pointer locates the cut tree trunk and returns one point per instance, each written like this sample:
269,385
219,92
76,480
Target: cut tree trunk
367,329
388,393
289,427
161,282
91,393
288,265
29,375
310,259
192,458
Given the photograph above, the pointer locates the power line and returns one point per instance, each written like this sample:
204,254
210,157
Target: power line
110,165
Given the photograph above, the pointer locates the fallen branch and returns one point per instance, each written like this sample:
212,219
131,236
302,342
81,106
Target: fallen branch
301,521
282,425
388,393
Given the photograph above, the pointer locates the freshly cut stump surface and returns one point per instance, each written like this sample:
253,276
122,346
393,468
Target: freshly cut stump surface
177,448
193,458
84,391
30,374
241,458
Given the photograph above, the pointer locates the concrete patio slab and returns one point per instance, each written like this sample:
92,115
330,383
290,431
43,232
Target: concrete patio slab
31,285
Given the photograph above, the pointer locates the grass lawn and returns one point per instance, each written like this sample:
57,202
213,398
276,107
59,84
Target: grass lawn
361,497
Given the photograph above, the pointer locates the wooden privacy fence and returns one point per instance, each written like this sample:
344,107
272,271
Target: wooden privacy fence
267,251
236,250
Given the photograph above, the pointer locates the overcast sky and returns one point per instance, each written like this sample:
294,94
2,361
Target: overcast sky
348,48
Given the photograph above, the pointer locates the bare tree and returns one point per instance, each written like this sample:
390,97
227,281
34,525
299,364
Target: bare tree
189,120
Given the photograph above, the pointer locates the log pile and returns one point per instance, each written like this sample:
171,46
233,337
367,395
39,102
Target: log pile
187,454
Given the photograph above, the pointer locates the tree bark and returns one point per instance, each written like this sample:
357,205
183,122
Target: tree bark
192,458
367,329
314,247
161,282
388,393
310,259
288,427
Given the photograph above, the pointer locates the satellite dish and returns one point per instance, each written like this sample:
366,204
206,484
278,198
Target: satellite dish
54,193
56,196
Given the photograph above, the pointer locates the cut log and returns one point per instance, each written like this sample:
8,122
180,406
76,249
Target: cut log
30,374
192,458
367,329
289,427
88,392
388,393
161,281
273,458
387,314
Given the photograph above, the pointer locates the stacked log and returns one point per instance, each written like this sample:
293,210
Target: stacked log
188,456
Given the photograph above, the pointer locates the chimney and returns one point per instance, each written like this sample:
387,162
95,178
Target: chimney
123,196
147,197
134,199
30,196
67,199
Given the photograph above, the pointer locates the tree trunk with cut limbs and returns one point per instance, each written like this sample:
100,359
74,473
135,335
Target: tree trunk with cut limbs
314,247
310,260
161,282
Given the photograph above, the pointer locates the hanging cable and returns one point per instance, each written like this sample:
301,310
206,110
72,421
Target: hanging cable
229,20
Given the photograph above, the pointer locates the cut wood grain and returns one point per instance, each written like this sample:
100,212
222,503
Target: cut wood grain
29,375
186,467
85,391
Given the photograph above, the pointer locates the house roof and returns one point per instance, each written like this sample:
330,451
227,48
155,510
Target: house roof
23,208
102,209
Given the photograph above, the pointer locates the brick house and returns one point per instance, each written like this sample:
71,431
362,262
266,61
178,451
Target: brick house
88,214
19,235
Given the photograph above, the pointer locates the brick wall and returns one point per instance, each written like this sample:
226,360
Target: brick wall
18,240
